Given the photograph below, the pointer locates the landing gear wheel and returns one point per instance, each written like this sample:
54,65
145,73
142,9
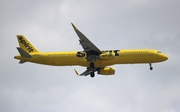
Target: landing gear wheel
92,74
92,64
151,68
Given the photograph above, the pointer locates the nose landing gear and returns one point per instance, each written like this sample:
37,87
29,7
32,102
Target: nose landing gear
151,68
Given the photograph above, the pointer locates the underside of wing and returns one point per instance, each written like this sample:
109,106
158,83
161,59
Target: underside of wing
87,72
100,70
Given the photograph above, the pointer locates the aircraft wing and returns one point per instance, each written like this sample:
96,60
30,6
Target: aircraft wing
87,72
87,45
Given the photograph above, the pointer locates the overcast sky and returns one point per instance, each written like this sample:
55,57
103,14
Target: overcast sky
115,24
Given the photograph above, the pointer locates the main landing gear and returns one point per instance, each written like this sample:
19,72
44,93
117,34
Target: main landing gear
92,74
151,68
92,64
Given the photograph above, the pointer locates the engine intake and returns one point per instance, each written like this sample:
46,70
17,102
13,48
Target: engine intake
107,71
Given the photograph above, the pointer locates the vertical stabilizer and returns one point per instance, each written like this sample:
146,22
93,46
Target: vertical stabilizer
25,44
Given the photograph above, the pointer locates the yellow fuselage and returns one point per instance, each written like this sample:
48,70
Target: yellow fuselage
71,58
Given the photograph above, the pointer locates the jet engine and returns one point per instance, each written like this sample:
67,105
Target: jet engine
106,71
107,56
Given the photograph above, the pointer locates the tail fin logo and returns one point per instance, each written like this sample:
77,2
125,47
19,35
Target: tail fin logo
29,48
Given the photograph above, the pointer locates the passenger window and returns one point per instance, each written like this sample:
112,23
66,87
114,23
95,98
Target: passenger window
158,51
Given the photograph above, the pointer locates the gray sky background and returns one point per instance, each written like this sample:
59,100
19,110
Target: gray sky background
115,24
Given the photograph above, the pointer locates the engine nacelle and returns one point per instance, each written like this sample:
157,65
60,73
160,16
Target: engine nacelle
107,71
107,56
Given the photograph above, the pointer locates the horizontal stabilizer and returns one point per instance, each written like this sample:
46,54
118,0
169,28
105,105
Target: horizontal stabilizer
23,53
21,62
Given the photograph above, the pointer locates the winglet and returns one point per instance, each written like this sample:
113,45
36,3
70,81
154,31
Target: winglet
76,72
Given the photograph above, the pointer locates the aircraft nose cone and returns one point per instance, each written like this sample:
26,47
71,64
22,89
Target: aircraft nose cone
165,57
15,57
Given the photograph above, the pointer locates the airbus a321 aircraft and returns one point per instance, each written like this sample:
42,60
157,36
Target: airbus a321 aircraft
92,57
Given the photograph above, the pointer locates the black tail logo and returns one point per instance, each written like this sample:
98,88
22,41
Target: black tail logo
29,48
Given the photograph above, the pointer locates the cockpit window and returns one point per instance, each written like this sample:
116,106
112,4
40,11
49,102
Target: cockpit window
158,51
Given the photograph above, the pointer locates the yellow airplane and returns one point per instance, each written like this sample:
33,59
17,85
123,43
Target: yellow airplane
93,58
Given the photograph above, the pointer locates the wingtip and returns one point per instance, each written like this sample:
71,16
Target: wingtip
73,26
76,72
